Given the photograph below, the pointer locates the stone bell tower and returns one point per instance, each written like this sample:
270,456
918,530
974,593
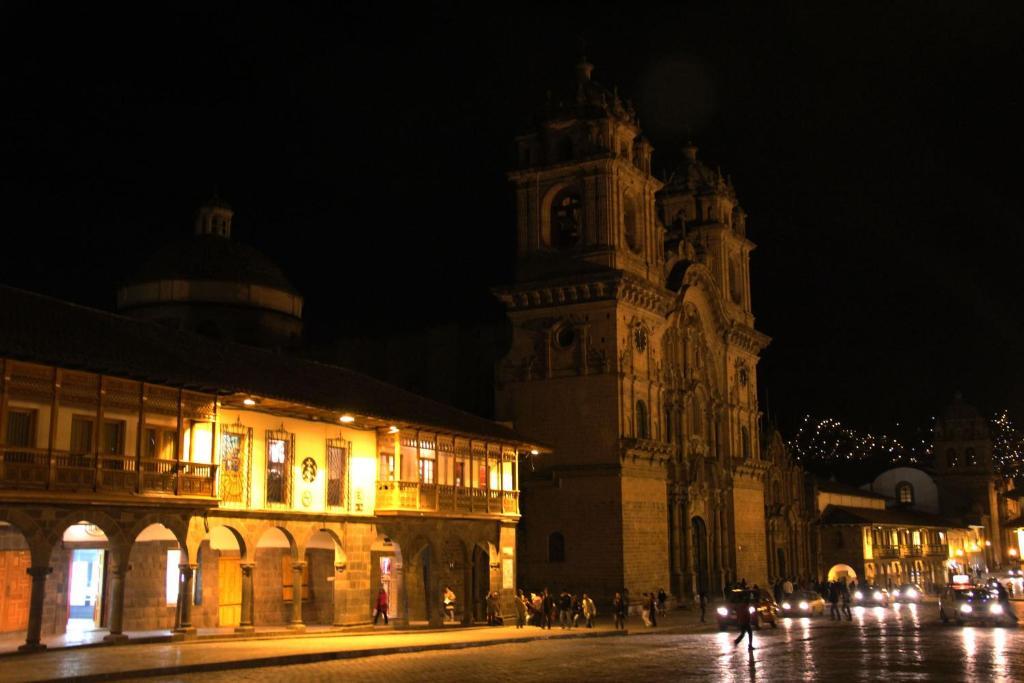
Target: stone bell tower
584,188
585,308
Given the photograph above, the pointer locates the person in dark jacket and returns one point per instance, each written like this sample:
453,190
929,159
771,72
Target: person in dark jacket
620,609
702,599
548,610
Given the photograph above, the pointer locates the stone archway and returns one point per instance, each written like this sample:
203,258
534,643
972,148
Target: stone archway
325,558
154,558
280,579
842,572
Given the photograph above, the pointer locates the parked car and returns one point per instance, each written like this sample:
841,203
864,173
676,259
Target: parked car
971,604
763,608
908,592
802,604
870,596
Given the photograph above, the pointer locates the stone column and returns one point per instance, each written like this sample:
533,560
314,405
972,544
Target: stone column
245,619
433,590
296,622
340,606
401,617
185,574
116,592
35,609
467,587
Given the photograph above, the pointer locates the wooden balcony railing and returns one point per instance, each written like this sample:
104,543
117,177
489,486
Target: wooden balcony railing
413,496
912,551
883,551
936,550
38,469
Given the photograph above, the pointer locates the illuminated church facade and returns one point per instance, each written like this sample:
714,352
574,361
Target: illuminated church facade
635,356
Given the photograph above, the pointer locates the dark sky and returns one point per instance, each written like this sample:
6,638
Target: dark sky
876,148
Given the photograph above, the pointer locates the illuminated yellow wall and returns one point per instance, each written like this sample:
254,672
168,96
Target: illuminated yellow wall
310,442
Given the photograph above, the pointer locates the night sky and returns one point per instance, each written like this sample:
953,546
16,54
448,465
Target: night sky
876,149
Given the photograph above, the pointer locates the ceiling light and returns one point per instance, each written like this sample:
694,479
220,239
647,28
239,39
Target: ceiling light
346,419
392,429
534,452
249,402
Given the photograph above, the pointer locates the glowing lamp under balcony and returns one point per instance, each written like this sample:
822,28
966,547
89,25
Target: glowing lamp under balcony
249,402
347,419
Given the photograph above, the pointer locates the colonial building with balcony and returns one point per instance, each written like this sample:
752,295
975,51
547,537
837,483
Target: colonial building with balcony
151,478
865,535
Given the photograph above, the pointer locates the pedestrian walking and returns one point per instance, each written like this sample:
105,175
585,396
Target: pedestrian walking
743,621
702,598
565,610
547,610
382,606
844,596
520,605
833,601
645,609
619,610
662,601
449,604
589,610
653,608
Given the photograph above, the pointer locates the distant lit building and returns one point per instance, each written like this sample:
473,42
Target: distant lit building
865,535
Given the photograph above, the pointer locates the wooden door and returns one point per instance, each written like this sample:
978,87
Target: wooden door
15,589
229,591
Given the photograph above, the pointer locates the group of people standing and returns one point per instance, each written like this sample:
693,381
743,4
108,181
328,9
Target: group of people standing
544,609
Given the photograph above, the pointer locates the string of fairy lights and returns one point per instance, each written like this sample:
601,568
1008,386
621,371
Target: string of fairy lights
826,440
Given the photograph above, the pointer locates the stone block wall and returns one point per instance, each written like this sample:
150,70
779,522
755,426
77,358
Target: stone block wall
268,602
145,593
319,608
749,529
55,604
645,534
586,509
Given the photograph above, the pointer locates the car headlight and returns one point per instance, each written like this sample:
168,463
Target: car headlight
911,593
878,595
803,605
858,596
966,609
752,609
995,608
786,605
723,611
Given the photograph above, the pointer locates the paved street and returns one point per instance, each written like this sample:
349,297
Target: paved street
904,644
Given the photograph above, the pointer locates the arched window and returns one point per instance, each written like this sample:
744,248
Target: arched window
905,492
642,421
566,219
951,459
630,219
745,438
556,547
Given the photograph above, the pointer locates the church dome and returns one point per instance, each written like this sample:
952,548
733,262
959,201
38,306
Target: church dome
693,175
212,258
216,286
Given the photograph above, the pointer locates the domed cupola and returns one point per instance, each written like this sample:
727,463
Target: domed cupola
215,286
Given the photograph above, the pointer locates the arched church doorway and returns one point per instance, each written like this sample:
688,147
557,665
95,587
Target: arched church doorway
700,554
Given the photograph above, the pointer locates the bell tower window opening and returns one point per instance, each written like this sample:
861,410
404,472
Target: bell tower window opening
565,337
566,219
630,221
643,427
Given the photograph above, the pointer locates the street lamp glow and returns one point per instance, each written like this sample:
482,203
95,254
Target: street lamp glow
346,419
534,452
249,402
